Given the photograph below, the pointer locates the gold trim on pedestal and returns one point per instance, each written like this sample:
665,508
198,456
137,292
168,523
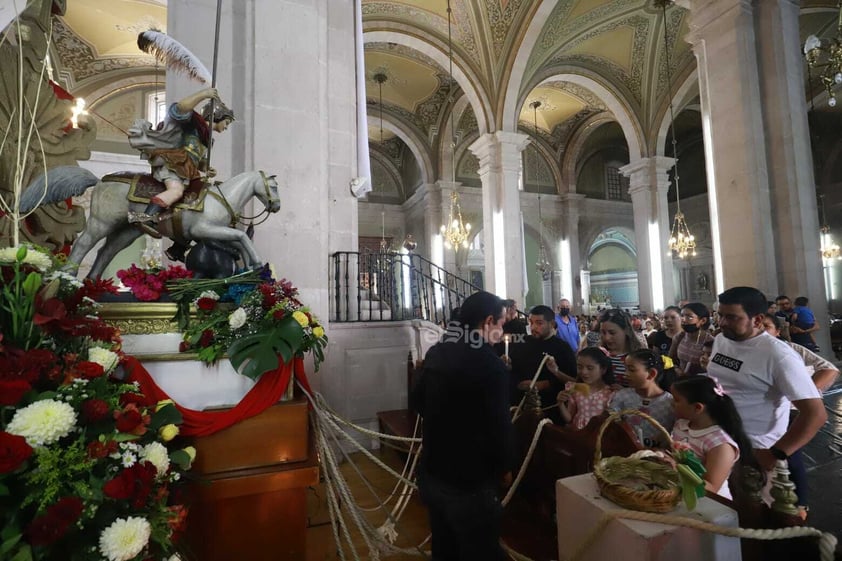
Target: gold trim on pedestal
140,318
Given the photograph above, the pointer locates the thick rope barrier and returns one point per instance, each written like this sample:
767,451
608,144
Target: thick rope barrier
408,471
522,471
827,542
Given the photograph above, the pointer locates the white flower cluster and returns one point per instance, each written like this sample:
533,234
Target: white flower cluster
105,358
37,259
125,538
208,294
156,453
127,454
237,319
65,279
44,422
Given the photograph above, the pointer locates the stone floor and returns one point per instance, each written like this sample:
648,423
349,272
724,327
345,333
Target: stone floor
824,464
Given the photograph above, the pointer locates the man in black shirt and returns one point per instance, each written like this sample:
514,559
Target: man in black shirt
468,447
526,356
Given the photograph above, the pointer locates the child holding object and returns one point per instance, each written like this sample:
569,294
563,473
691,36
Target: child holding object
644,370
708,422
584,400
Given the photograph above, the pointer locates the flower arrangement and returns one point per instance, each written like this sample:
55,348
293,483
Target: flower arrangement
252,323
148,285
88,466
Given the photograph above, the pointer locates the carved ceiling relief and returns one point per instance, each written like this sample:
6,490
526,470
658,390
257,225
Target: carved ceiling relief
679,51
382,181
537,171
468,166
562,133
463,33
468,122
501,16
79,58
56,225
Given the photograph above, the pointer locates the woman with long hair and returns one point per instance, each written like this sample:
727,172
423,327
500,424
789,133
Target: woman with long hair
689,345
618,338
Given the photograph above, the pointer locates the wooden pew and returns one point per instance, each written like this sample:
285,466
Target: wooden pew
401,422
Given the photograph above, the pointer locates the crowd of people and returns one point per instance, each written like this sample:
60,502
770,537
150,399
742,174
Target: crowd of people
741,383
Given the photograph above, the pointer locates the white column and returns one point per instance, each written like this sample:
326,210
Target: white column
586,291
570,257
732,100
499,157
648,185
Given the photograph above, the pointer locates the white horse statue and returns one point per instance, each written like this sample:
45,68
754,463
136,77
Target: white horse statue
108,219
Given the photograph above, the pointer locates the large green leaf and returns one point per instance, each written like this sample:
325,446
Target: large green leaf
256,354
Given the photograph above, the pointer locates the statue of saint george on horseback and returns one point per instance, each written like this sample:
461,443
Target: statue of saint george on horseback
177,152
174,201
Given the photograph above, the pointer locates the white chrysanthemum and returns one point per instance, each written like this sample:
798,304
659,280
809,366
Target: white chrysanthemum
125,538
237,319
44,422
128,459
65,278
208,294
157,454
33,257
105,358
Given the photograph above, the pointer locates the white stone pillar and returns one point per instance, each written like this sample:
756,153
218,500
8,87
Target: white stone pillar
725,43
571,262
791,181
586,291
648,185
500,163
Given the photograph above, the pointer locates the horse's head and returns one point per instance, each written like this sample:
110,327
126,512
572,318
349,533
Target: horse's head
268,194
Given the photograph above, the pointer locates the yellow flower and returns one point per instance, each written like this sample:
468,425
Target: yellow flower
163,403
168,432
319,331
301,318
190,452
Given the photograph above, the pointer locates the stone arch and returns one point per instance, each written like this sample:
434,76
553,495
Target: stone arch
463,75
415,143
393,171
605,236
548,155
688,89
446,162
512,100
570,160
616,103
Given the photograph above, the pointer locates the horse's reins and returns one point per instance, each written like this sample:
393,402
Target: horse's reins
235,218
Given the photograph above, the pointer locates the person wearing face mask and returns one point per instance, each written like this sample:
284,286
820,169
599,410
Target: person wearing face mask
567,329
689,345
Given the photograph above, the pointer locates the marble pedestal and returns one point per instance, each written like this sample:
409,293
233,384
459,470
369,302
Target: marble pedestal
580,507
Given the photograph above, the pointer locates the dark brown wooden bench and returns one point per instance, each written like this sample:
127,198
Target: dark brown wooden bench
401,422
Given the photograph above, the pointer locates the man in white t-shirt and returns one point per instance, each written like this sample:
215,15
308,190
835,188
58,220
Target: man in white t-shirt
762,375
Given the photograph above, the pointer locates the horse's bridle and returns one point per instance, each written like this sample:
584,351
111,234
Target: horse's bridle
235,218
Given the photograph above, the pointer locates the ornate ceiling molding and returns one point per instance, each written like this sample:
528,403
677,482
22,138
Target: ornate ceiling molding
80,59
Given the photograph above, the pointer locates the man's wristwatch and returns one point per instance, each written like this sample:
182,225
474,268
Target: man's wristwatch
778,453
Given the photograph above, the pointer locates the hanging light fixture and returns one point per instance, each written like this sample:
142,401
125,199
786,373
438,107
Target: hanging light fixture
543,265
456,231
681,243
380,78
827,57
829,249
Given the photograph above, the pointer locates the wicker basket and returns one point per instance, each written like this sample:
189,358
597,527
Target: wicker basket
614,475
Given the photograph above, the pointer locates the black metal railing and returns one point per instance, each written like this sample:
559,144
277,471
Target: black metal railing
389,286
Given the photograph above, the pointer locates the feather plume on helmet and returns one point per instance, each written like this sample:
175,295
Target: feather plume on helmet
173,54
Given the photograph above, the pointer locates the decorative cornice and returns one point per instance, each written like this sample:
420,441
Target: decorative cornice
140,318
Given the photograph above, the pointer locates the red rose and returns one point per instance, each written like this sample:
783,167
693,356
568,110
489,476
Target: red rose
131,421
11,391
138,399
206,304
183,347
89,370
278,314
94,410
206,339
132,483
44,530
97,449
67,509
14,451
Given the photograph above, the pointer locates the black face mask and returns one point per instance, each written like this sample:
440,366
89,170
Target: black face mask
689,327
564,311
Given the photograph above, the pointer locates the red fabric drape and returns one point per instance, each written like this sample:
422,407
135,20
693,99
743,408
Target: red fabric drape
268,390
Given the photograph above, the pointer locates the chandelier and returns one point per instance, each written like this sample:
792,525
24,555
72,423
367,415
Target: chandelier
681,243
827,57
829,250
457,231
543,265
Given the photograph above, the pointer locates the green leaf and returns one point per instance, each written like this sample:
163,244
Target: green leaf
9,543
180,458
4,491
168,415
25,554
125,437
21,254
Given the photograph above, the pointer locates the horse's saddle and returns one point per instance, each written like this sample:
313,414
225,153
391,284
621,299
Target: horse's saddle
143,187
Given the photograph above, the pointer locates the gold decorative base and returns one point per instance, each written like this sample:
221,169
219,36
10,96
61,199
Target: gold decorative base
140,318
